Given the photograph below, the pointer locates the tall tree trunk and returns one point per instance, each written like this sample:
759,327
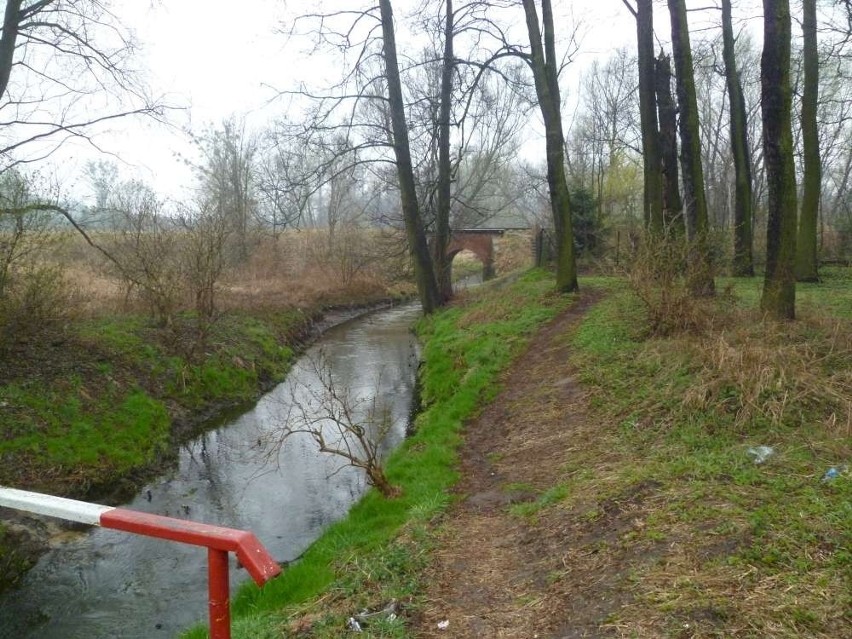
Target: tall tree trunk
672,203
442,223
806,248
652,178
779,284
743,263
695,204
427,286
545,74
11,18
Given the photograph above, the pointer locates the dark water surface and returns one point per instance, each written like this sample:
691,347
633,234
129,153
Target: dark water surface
106,584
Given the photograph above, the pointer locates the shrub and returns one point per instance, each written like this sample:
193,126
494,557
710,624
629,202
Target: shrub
35,301
664,278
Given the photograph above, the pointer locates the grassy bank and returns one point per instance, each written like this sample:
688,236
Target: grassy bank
720,545
86,414
92,411
664,513
376,553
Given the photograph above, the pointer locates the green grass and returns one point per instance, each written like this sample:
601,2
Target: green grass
832,295
115,432
377,552
103,408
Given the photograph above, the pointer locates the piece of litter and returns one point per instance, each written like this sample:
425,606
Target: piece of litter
443,625
353,625
834,472
831,473
366,617
761,453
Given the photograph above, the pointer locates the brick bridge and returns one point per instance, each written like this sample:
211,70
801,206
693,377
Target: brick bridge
480,242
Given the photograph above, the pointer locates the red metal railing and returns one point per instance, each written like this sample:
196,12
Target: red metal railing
219,542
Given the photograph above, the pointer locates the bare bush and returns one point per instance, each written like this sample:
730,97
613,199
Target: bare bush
205,235
38,299
34,294
341,424
26,231
664,276
146,250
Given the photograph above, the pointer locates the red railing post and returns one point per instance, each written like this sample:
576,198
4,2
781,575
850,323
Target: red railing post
220,594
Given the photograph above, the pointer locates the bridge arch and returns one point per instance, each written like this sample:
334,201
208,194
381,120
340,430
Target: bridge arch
478,242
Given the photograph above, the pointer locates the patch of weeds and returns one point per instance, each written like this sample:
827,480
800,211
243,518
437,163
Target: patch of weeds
652,534
524,510
429,507
553,495
591,515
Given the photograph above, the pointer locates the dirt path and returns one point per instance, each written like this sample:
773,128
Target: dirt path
504,573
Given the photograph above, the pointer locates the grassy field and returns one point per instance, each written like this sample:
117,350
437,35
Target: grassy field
717,545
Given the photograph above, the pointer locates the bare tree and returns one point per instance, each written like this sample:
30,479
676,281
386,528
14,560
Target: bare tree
284,181
368,108
341,424
690,152
743,262
205,233
145,250
653,202
672,202
24,232
464,113
806,247
442,208
227,177
604,146
427,284
35,295
54,56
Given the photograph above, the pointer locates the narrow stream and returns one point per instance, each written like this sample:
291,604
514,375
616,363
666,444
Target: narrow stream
106,584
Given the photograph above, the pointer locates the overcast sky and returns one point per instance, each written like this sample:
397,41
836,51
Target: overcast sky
218,58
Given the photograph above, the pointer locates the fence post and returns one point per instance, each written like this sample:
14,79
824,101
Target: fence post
220,595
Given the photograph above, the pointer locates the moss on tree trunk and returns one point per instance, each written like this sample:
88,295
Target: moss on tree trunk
779,284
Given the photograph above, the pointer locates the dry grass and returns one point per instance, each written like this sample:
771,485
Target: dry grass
762,370
294,270
513,251
297,269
